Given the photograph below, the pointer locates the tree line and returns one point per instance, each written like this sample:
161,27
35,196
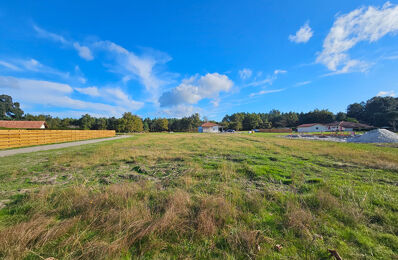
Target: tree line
377,111
127,123
277,119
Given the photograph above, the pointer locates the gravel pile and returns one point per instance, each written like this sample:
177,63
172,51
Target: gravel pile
375,136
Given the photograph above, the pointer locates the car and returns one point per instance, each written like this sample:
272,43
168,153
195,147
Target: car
230,131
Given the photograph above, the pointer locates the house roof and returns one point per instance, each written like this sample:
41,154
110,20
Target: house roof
350,125
309,125
22,124
340,123
208,124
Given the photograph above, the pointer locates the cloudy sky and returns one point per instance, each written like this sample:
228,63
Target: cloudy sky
215,57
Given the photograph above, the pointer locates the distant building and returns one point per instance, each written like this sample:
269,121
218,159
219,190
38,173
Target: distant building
315,127
23,124
209,128
332,127
347,126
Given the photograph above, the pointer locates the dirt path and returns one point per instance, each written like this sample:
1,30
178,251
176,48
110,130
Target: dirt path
57,146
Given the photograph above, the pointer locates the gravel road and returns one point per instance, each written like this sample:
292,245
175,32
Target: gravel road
57,146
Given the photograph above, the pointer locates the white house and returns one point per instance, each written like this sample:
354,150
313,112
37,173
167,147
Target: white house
209,128
315,127
332,127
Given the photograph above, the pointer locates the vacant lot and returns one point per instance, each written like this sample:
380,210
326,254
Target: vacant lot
233,196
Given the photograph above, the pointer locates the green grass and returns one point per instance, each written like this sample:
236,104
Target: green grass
228,196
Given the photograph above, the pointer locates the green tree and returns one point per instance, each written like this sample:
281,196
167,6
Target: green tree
159,125
53,122
377,110
341,116
266,124
393,119
100,123
350,119
146,126
235,121
317,116
289,119
130,123
65,123
86,122
111,123
356,110
8,109
251,121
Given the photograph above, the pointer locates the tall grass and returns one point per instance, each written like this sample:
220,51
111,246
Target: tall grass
201,196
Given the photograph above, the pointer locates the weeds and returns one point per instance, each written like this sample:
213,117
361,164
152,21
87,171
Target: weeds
201,196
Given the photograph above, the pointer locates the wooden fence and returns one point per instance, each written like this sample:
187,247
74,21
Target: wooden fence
19,138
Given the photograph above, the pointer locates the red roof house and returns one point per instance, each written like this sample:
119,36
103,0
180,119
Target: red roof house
332,127
23,124
208,124
209,127
308,125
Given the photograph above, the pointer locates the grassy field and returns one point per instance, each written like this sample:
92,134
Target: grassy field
202,196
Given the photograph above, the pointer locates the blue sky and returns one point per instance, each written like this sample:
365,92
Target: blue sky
174,58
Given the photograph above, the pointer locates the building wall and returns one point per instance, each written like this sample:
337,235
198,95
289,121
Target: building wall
333,128
339,128
213,129
314,128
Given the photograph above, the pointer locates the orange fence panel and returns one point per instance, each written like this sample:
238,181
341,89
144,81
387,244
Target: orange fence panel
20,138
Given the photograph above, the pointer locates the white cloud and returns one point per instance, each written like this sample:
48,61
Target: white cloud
391,57
361,25
215,102
131,66
267,81
114,94
90,91
390,93
55,95
79,75
303,35
70,113
30,84
144,68
48,35
245,73
9,65
194,89
180,111
303,83
83,51
121,98
276,72
33,65
263,92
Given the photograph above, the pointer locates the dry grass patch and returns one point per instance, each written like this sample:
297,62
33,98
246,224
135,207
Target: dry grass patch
214,213
248,241
19,240
171,196
298,219
360,154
